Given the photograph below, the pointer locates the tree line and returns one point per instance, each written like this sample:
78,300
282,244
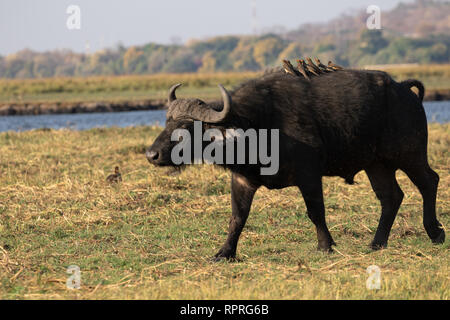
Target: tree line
339,40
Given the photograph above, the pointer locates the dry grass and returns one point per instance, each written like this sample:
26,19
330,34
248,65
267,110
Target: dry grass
434,76
115,87
152,235
201,85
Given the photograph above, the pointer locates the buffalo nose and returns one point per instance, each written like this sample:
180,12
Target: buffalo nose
152,155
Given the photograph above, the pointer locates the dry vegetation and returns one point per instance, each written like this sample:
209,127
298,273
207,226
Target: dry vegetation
434,76
152,235
114,87
202,85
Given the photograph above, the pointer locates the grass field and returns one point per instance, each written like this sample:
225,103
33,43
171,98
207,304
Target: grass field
434,77
204,86
151,236
116,87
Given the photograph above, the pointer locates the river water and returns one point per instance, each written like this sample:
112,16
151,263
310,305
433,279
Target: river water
438,111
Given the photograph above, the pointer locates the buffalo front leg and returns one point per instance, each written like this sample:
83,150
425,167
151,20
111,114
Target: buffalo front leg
313,196
242,192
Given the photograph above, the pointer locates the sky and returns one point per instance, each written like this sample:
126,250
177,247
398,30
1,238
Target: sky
42,25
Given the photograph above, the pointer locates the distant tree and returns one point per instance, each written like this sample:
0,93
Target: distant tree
65,70
183,61
371,41
12,66
222,44
242,57
324,47
266,51
157,60
292,51
134,60
26,71
218,48
439,53
44,66
209,62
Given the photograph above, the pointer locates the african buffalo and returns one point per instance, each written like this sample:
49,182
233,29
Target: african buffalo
334,124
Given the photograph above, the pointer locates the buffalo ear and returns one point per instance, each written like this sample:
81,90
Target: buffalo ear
172,96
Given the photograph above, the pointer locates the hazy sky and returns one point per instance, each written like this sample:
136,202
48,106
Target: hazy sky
41,25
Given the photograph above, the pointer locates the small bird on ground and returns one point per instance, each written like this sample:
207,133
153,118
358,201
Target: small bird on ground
289,68
334,66
301,68
115,177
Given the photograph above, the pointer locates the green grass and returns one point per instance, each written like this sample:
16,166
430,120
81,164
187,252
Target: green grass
206,94
200,85
152,236
434,76
116,87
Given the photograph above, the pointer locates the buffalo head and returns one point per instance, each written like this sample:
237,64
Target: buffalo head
181,115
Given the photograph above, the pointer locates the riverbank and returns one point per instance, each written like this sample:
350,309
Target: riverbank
437,95
36,108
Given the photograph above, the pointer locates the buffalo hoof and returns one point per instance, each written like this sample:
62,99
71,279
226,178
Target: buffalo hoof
220,258
440,238
378,246
326,246
325,249
224,255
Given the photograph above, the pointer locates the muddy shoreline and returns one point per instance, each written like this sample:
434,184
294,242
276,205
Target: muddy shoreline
35,108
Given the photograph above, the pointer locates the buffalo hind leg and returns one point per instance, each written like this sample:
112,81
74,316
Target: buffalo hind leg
242,192
427,181
387,190
313,196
